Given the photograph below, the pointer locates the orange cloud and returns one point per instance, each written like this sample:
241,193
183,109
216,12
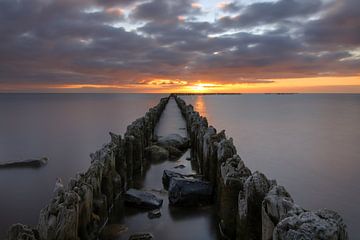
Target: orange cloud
350,84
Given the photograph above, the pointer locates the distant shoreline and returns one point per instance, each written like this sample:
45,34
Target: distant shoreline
180,94
231,93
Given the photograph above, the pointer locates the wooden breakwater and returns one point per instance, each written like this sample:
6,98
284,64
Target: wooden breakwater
249,206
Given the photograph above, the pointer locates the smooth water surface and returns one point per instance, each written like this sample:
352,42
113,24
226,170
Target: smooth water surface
174,223
66,128
310,143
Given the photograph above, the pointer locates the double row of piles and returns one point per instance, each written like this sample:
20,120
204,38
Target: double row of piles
80,210
249,205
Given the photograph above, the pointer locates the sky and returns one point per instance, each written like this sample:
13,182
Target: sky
246,46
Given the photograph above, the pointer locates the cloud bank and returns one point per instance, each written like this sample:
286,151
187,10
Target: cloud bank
134,42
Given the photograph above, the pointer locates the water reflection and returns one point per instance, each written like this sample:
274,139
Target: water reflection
174,223
200,105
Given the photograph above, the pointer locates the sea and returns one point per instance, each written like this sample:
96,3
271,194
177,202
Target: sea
309,143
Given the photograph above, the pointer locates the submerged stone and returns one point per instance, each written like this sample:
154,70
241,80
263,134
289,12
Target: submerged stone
174,140
154,214
181,166
156,153
31,163
168,175
189,192
141,236
142,199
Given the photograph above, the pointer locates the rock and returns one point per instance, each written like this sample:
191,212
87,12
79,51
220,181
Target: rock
174,152
154,213
113,231
142,199
181,166
32,163
141,236
322,224
22,232
174,140
189,192
277,205
168,175
156,153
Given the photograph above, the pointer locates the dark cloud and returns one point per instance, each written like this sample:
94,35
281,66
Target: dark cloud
269,12
340,25
89,42
117,2
163,11
231,7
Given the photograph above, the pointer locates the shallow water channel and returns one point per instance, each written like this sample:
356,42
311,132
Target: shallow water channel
174,223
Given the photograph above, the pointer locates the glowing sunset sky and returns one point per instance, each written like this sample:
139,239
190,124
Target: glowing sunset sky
179,46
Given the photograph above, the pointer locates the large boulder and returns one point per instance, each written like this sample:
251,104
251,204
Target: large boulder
142,199
141,236
22,232
174,153
174,140
322,225
189,192
168,175
156,153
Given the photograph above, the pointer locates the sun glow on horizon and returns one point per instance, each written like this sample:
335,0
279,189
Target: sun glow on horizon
348,84
202,87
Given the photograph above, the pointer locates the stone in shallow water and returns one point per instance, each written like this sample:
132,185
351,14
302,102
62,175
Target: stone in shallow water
167,175
30,163
154,214
181,166
142,199
189,192
141,236
156,153
174,140
174,152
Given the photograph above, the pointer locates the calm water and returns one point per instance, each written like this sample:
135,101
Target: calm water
309,143
174,223
64,127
